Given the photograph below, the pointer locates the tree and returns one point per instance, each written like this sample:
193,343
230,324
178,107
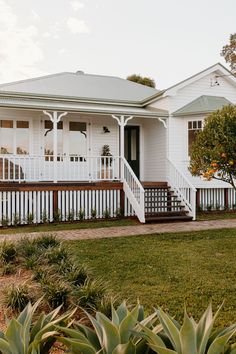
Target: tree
147,81
229,53
213,153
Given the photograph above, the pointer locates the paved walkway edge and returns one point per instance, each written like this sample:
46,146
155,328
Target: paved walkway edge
122,231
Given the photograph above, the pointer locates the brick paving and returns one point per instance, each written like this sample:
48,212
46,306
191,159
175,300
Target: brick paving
122,231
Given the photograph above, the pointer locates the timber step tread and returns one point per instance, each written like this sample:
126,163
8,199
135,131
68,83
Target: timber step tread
166,213
168,218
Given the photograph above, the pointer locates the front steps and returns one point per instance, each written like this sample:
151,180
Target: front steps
162,205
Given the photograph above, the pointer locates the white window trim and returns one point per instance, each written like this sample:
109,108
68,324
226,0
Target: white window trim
20,119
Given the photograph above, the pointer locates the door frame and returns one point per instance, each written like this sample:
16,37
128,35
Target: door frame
141,147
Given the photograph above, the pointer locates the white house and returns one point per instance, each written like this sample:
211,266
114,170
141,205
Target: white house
54,131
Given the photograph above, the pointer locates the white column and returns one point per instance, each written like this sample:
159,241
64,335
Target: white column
55,118
122,122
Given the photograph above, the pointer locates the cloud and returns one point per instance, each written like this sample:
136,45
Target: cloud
76,26
76,5
20,51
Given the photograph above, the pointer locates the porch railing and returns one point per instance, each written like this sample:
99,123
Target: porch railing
182,187
133,190
27,168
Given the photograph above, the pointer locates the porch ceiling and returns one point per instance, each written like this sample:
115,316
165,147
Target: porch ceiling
40,104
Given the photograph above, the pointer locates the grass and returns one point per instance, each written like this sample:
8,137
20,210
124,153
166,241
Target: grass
168,270
67,226
214,215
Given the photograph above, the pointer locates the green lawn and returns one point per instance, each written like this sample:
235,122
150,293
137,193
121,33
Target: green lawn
169,270
212,215
68,226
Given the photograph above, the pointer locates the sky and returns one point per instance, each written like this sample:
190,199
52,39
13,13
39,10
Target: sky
167,40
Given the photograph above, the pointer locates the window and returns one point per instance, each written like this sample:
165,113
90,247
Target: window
48,137
22,137
77,138
193,128
14,137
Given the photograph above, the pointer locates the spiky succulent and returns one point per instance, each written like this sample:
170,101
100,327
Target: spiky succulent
110,336
191,337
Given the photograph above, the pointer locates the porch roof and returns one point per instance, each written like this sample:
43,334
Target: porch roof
203,104
70,106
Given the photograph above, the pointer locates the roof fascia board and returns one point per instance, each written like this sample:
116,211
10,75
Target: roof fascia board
69,99
82,110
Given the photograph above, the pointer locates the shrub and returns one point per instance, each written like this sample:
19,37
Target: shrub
8,252
81,214
46,241
16,220
93,213
56,255
17,297
30,218
76,275
70,216
5,221
90,294
31,262
56,292
106,214
8,269
44,217
57,215
26,247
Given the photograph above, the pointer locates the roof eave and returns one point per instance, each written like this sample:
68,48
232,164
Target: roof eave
38,107
9,94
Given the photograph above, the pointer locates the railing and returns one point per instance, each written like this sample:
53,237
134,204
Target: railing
27,168
133,189
182,187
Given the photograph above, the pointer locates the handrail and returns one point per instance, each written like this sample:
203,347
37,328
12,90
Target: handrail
183,187
133,189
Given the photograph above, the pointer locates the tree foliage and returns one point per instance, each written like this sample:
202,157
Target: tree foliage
213,153
147,81
229,53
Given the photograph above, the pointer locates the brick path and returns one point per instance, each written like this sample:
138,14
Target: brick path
119,231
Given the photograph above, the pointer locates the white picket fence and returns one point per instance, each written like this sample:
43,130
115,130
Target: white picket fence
26,207
216,199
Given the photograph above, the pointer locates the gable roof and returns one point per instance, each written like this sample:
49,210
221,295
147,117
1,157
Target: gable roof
80,86
217,68
203,104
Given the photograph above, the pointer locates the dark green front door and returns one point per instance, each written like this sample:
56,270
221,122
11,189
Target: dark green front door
132,146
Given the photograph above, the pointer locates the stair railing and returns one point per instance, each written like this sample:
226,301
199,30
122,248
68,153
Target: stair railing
182,187
133,189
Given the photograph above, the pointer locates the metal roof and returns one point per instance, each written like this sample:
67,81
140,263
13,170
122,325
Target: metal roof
95,108
203,104
82,86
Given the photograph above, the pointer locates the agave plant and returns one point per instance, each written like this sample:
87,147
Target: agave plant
22,336
191,337
110,336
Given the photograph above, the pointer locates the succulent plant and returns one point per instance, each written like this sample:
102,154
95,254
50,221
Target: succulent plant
115,336
191,337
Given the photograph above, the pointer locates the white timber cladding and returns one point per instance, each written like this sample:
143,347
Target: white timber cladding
177,98
153,149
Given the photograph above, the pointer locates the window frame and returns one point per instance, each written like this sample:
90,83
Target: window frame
197,119
15,129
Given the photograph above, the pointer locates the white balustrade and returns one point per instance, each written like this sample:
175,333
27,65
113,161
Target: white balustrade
133,189
28,168
182,187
